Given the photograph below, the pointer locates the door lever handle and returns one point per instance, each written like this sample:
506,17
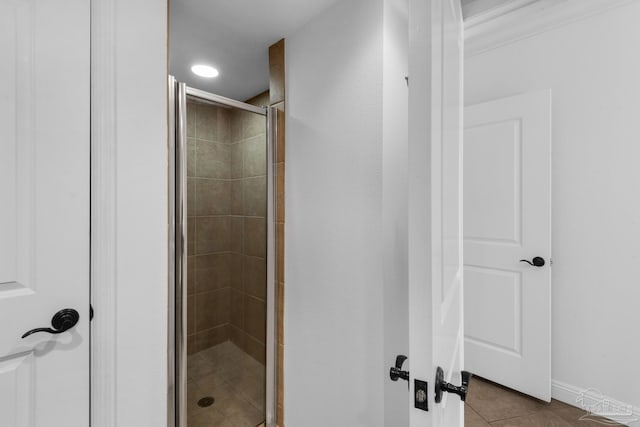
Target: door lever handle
396,372
537,261
442,385
62,321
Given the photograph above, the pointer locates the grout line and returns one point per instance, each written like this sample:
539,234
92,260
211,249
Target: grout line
225,216
209,329
508,418
468,407
226,179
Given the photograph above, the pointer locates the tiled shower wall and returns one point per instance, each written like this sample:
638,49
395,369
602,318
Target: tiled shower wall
213,261
276,99
227,229
248,169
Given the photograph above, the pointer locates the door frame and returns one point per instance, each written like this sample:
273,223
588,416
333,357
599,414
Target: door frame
103,214
428,57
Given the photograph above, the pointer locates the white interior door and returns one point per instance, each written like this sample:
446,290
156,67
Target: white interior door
44,218
435,205
507,218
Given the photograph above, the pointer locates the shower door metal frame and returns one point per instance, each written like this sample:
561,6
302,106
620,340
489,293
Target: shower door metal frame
177,346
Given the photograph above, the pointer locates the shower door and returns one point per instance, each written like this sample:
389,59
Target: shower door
224,293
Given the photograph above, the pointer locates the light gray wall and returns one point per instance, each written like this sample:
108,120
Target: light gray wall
394,205
334,270
141,189
592,67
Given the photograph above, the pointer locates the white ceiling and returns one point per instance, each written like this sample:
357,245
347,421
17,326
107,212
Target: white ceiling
233,36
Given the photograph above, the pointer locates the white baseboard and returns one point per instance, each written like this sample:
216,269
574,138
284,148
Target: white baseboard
582,398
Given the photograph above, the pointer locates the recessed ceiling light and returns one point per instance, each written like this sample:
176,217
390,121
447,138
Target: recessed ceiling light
204,71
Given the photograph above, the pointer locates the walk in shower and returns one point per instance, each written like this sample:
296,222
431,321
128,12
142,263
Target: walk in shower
224,353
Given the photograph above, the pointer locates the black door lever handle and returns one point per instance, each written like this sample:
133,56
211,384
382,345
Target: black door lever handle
442,385
537,261
396,372
62,321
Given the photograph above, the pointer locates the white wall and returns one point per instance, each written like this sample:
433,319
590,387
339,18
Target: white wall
334,271
593,69
141,208
394,205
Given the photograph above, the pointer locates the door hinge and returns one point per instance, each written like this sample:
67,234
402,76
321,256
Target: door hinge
90,312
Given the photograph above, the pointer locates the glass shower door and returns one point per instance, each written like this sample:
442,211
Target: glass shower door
222,305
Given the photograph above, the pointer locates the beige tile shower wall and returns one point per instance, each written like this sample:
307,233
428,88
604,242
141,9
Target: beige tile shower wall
249,206
277,97
280,190
214,261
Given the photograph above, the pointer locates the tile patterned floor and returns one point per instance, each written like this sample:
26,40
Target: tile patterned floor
234,379
489,404
236,382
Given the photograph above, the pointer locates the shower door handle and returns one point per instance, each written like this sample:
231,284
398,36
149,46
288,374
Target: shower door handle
62,321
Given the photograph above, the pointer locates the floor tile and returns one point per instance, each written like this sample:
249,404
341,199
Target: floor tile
247,418
542,418
472,419
199,420
573,415
493,402
199,367
234,379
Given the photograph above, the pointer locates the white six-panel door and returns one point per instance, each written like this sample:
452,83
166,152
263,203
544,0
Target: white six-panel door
435,205
44,216
507,207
